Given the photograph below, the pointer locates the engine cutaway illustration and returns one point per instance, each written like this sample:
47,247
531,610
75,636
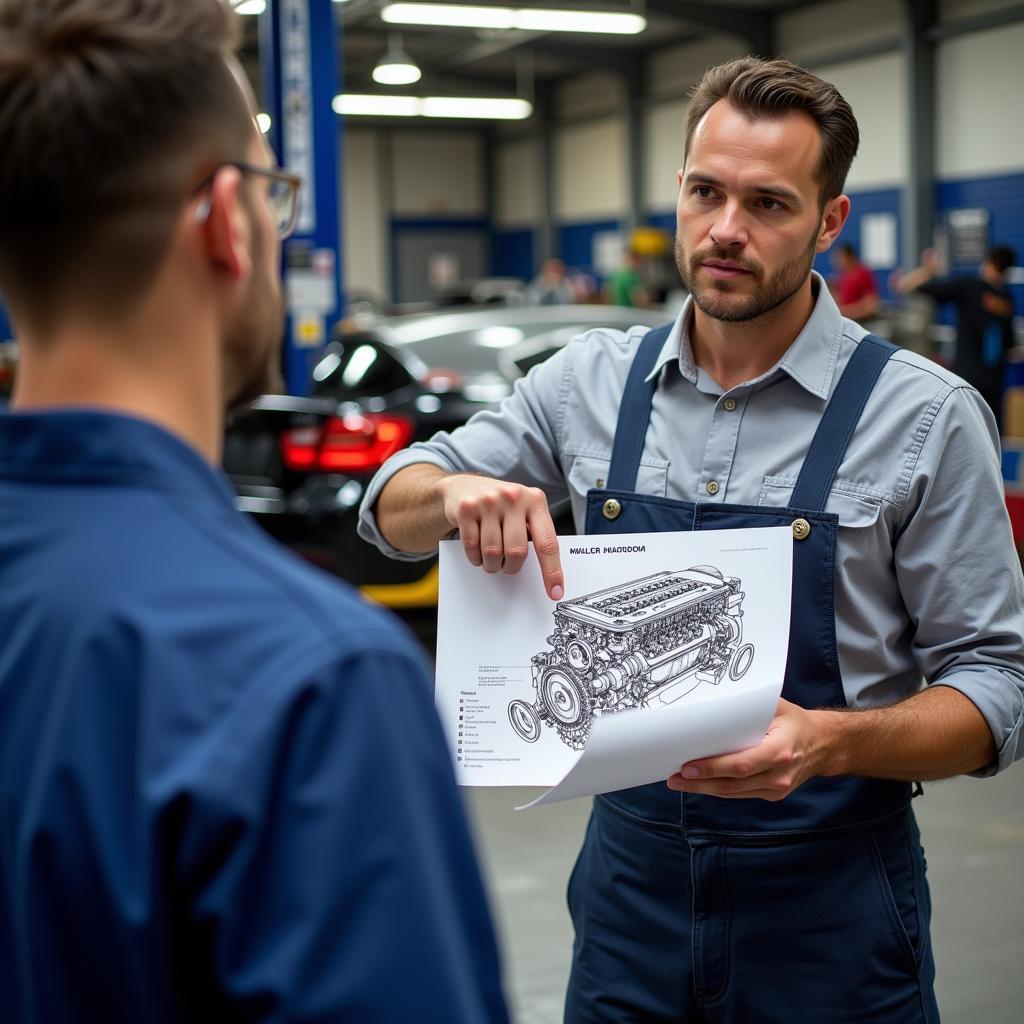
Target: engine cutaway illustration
637,644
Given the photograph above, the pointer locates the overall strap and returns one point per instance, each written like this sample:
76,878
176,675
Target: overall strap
838,422
635,412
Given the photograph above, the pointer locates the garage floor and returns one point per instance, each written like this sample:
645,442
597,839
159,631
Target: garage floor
974,841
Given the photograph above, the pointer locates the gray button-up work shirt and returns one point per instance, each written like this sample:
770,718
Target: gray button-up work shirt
928,582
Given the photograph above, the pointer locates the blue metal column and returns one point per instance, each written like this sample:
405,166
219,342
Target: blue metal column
299,53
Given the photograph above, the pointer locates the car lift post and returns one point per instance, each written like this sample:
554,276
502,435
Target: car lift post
299,47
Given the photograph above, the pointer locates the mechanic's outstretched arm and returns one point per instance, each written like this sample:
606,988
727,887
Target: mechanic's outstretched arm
935,734
422,504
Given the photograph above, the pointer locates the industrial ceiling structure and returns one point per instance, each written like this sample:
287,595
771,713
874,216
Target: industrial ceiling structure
515,62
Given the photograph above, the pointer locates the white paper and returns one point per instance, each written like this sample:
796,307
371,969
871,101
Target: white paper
676,641
878,240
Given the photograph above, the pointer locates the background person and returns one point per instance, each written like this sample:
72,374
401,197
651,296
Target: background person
626,286
550,287
785,882
855,290
225,791
984,317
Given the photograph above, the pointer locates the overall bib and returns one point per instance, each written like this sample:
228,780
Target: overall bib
695,908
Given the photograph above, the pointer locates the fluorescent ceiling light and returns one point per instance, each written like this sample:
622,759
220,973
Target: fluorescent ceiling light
250,6
387,106
264,121
455,15
580,21
432,106
468,106
531,18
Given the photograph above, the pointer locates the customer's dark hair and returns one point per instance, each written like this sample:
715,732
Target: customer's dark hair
773,88
108,108
1002,257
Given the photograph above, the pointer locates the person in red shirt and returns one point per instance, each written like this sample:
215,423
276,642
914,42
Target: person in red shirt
854,287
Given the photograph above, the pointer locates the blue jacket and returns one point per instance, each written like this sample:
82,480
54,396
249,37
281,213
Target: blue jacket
224,790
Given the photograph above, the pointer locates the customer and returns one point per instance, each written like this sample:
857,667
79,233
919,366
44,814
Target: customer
225,794
785,882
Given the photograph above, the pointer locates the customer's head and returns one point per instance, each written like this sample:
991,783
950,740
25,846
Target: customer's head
118,119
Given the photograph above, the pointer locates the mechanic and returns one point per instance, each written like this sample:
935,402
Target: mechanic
785,882
225,791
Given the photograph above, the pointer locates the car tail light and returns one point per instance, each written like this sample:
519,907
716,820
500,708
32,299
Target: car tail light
346,444
442,380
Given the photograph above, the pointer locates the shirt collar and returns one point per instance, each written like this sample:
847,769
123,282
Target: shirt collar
810,360
89,446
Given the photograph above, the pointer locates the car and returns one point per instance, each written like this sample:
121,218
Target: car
300,465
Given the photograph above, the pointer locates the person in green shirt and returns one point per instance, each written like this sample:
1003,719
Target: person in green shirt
625,287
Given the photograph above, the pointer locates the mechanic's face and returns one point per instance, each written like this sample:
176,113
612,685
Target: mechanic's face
748,221
253,343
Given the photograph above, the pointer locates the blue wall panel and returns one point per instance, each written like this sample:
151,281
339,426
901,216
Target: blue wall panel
576,243
665,221
512,254
885,200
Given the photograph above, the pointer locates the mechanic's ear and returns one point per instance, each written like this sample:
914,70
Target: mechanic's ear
224,227
832,221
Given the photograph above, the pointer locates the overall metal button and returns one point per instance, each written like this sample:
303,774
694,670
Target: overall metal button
713,487
730,404
611,509
801,529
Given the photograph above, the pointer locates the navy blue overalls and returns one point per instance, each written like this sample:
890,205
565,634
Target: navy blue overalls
810,910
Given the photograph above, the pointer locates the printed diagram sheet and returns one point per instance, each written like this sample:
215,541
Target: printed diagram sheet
667,647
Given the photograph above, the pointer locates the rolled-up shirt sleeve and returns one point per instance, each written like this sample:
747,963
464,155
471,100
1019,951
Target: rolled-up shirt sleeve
958,573
518,442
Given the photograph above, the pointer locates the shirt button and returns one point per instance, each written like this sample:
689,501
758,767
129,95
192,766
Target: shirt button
730,404
713,487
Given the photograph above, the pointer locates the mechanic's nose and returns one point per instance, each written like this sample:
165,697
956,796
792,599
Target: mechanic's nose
729,228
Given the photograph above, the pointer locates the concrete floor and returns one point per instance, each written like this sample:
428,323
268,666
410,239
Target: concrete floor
974,841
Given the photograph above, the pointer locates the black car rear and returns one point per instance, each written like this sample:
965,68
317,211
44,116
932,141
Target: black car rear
301,465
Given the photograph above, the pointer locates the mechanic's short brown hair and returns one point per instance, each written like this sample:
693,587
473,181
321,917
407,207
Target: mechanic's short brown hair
108,111
772,88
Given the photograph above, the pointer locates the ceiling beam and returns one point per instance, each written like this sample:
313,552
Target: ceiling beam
756,27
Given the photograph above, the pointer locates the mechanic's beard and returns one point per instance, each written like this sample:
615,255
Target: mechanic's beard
714,301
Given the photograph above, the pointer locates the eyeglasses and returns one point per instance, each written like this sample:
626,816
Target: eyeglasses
283,194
